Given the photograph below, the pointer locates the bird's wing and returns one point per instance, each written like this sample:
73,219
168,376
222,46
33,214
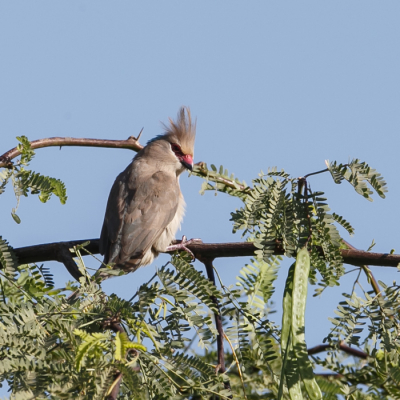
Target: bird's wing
113,220
135,218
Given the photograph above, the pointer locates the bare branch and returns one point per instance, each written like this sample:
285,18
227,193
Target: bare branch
131,143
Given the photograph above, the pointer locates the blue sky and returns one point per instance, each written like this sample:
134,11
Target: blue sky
286,84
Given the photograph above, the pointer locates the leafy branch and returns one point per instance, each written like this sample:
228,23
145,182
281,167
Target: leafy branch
54,344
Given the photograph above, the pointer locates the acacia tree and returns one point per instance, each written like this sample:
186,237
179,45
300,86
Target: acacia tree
77,342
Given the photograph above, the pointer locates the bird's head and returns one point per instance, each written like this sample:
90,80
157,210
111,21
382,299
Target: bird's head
181,134
185,159
175,148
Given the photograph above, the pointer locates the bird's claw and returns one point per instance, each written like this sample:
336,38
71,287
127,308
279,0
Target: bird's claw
182,246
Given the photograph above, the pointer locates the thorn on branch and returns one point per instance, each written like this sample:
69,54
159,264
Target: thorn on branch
136,139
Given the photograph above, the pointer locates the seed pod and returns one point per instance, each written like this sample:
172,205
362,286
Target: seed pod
299,297
289,367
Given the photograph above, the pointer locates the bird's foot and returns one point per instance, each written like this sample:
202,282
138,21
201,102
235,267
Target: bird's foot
182,246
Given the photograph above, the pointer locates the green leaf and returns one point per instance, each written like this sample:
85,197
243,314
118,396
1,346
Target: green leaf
122,344
16,218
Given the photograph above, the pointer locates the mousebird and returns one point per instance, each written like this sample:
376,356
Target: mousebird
145,206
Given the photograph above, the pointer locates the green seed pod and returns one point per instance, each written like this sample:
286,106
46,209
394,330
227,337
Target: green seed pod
299,297
289,367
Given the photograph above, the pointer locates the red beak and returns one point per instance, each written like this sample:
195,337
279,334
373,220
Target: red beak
187,161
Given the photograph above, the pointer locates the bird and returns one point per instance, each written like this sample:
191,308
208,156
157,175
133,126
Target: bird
145,206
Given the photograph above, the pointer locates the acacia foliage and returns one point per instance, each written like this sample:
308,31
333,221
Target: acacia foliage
25,181
77,342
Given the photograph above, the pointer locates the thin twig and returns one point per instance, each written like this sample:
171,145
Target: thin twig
201,170
147,284
355,282
368,272
316,173
306,191
237,364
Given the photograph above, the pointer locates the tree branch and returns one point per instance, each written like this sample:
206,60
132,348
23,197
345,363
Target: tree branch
65,256
218,321
368,272
342,346
115,389
114,325
132,143
208,263
329,375
51,252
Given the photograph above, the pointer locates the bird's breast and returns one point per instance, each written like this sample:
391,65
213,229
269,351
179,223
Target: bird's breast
169,233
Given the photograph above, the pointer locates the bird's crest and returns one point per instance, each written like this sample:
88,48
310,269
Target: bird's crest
182,131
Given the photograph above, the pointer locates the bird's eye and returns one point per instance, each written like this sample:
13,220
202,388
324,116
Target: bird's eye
176,149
